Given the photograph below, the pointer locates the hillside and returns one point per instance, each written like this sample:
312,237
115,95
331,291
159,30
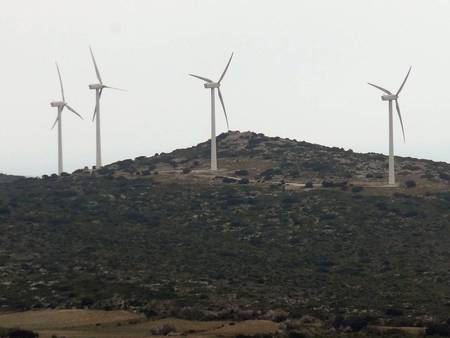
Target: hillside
164,236
273,158
8,178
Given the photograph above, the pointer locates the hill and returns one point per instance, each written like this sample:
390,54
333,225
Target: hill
267,158
164,236
8,178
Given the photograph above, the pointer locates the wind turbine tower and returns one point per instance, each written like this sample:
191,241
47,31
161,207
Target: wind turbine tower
98,87
61,105
393,98
210,84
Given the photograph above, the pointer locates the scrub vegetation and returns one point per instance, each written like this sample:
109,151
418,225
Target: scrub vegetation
163,237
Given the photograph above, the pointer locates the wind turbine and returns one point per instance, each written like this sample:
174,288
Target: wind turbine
390,98
61,105
210,84
98,87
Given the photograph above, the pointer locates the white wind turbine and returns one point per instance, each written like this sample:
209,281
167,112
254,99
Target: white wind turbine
209,84
98,87
61,105
393,97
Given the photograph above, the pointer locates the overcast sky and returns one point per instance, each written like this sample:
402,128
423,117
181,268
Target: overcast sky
300,71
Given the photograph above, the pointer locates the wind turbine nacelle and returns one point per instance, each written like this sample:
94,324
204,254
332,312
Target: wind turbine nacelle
212,85
57,104
389,97
95,86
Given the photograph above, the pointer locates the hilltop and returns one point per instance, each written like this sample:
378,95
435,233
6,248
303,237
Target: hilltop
264,159
164,236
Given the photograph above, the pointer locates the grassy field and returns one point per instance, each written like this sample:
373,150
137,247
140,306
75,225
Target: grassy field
121,324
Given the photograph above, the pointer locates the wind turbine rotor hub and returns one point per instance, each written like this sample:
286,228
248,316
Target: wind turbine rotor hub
96,86
389,97
212,85
57,104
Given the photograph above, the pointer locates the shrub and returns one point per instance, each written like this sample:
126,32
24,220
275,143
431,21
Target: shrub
270,173
356,324
163,330
190,313
18,333
296,334
244,181
228,180
290,199
444,176
438,330
186,170
149,313
393,312
309,185
295,173
4,332
357,189
86,302
241,172
331,184
4,211
410,184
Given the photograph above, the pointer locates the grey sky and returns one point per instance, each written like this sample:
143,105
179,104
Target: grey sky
300,71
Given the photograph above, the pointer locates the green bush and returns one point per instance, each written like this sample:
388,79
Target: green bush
410,184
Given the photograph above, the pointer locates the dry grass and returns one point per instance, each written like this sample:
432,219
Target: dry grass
122,324
410,331
248,328
55,319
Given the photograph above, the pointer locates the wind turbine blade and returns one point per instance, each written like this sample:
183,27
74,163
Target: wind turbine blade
380,88
56,121
115,88
60,83
223,106
73,111
226,68
400,117
96,106
202,78
96,67
404,81
95,111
